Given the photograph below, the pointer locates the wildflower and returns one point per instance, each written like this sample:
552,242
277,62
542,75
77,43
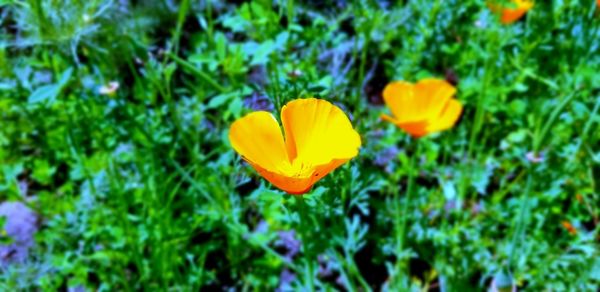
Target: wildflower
318,139
535,158
258,102
21,225
503,281
109,89
422,108
285,280
294,73
513,13
384,157
480,23
289,241
569,227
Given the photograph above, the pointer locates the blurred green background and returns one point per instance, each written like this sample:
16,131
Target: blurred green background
116,173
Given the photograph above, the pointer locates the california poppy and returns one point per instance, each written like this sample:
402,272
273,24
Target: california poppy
509,15
422,108
317,138
569,227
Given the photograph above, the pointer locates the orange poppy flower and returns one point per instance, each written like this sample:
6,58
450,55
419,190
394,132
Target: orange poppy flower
509,15
569,227
598,3
422,108
318,138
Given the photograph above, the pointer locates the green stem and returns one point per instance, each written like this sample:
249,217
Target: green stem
356,272
479,111
521,226
590,121
540,135
184,7
196,71
405,207
363,64
210,25
290,12
402,216
304,231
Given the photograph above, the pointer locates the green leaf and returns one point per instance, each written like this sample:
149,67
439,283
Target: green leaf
44,93
262,53
43,171
219,100
65,77
235,107
49,93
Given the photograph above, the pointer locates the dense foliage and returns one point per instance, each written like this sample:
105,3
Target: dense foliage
114,131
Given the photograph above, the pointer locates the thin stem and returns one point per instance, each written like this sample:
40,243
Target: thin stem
304,230
521,227
210,25
541,135
356,272
363,63
183,11
409,193
402,217
290,12
479,111
189,66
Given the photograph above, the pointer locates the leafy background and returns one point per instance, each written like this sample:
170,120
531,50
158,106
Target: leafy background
140,189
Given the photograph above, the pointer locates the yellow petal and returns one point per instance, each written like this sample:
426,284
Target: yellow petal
399,97
257,137
317,132
524,4
448,117
432,96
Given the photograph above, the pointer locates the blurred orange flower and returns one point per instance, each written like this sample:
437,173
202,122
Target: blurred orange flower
569,227
422,108
510,14
318,138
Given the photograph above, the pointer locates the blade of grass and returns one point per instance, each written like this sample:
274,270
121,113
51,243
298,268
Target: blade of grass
189,66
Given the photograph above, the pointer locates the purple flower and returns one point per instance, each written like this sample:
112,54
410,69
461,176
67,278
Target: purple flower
21,225
285,280
477,208
535,158
258,102
385,157
258,75
262,227
287,239
207,124
325,266
450,205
